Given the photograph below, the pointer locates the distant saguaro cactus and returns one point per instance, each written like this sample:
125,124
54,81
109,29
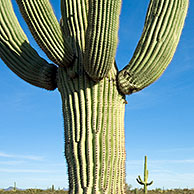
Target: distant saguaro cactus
53,188
14,187
83,48
145,181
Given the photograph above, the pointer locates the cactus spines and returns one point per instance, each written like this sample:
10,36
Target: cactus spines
83,47
145,181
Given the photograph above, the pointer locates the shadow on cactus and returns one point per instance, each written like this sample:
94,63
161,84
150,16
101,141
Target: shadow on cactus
83,47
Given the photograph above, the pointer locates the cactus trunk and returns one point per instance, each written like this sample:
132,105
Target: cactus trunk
94,134
145,176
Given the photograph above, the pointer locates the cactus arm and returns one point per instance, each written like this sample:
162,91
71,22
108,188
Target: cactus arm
157,45
74,25
17,53
46,30
140,181
101,37
74,18
148,184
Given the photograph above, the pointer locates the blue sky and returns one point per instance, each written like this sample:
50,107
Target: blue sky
159,120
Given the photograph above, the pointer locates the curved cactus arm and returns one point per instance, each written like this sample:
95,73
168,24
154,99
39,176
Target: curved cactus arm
101,37
148,184
17,53
46,30
140,181
160,37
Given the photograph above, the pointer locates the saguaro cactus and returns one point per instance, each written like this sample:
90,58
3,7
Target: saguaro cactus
93,90
14,187
145,181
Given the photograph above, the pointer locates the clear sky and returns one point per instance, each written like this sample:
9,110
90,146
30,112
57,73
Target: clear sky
159,120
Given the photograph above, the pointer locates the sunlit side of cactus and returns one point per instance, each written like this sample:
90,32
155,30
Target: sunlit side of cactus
83,47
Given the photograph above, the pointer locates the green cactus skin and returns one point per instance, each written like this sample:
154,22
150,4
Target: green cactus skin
46,30
158,43
19,56
83,47
94,134
101,44
145,182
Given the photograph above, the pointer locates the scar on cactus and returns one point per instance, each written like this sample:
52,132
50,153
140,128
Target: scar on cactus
145,182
